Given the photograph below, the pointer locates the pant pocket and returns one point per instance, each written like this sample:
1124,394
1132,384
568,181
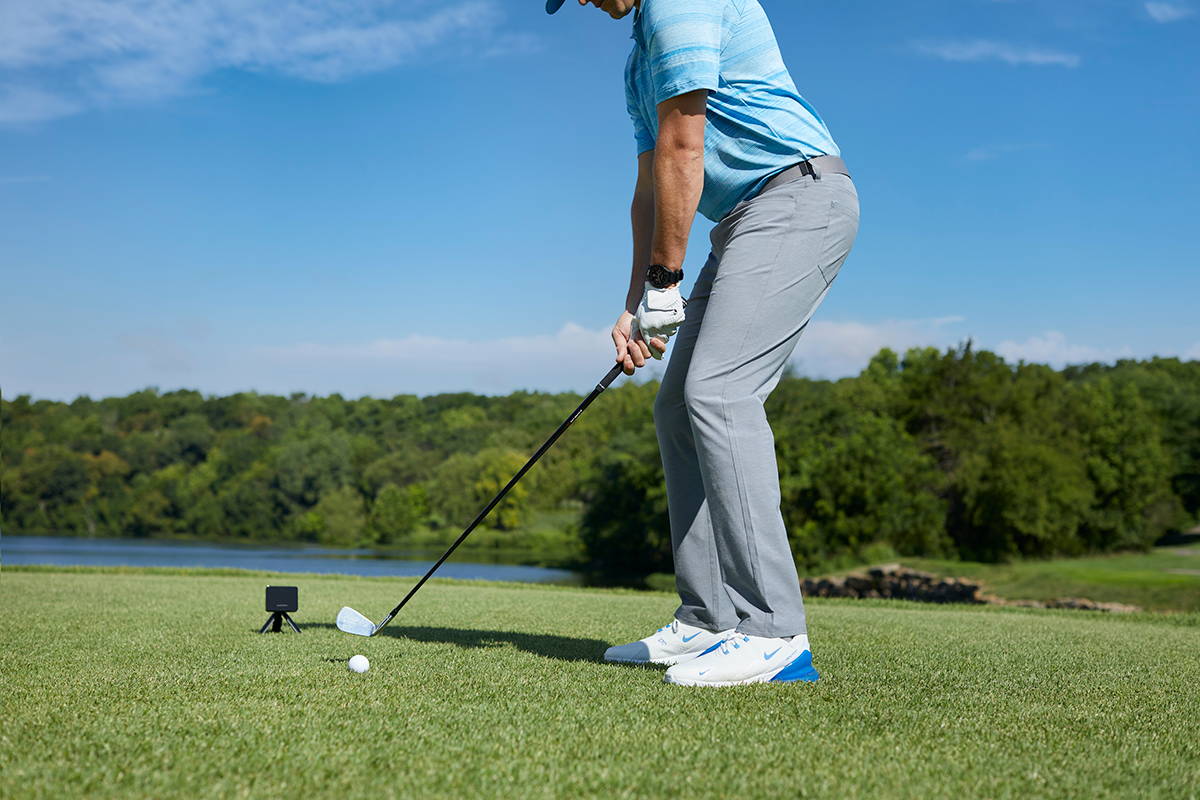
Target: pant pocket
840,233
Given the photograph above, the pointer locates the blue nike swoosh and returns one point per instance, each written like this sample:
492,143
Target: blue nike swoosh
693,636
767,656
701,672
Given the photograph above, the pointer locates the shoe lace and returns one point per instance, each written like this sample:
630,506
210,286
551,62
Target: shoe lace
673,625
733,642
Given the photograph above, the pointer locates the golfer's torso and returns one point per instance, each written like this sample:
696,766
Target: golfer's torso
757,122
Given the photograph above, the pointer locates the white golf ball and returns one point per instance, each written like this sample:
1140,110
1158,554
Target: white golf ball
358,664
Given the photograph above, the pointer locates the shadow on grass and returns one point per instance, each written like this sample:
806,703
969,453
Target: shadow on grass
563,648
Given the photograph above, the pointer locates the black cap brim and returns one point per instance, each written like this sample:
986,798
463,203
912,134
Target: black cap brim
553,5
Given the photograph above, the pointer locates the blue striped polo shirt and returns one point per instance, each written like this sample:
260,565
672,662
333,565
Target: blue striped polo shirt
757,123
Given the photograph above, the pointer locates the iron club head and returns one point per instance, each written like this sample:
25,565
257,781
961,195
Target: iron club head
350,621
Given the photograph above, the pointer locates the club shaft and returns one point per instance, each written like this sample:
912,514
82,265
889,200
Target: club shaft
587,401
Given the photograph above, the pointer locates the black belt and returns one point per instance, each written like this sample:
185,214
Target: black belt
815,167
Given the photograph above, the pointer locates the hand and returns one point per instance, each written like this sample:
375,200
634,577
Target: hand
632,347
660,313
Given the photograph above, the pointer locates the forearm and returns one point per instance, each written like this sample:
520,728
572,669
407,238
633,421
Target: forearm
641,218
678,183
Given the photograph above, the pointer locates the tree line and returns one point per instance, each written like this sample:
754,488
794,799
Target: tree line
954,454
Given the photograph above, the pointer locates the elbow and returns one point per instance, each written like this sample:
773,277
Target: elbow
680,148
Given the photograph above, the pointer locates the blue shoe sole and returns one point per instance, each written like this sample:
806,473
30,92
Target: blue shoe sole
799,669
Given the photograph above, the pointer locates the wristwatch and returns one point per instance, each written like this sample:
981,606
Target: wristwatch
661,277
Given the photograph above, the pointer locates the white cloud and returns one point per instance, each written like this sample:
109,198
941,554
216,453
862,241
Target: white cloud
1168,12
988,50
58,57
23,104
839,349
572,358
575,357
1053,348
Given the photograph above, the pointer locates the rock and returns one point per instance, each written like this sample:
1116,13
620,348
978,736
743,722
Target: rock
1084,604
1076,603
895,581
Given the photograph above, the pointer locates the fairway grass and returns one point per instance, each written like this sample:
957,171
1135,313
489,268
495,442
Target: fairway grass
128,684
1162,579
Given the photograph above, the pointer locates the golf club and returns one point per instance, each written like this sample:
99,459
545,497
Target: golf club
350,621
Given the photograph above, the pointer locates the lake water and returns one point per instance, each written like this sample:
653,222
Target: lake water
70,551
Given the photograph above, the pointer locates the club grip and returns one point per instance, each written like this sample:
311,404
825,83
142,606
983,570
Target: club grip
607,380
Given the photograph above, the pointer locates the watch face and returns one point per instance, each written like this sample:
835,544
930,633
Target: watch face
659,276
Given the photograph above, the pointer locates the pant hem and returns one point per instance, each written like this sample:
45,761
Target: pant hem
696,622
769,633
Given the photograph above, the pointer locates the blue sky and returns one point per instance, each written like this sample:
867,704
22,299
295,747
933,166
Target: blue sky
418,196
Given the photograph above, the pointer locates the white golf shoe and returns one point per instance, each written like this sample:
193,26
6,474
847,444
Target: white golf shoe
670,644
742,659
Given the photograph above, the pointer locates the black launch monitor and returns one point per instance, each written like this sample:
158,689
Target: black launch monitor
281,600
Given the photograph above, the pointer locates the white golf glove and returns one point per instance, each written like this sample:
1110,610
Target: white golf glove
659,315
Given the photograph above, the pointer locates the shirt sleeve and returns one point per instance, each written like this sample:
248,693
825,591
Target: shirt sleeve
641,134
641,131
683,42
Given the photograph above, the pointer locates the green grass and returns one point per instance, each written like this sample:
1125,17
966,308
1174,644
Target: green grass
128,684
1164,579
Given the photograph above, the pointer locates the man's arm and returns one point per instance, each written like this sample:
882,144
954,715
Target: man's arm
669,183
632,352
678,175
641,218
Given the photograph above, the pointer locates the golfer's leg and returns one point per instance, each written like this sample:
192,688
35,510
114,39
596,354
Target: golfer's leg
703,600
777,255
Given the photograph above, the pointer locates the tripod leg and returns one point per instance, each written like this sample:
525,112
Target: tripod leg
266,624
291,622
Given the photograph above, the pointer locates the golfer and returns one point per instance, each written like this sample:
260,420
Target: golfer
721,129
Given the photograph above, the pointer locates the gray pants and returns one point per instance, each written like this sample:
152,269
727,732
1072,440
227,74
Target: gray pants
772,261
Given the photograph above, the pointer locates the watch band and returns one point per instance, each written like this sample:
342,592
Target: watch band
661,277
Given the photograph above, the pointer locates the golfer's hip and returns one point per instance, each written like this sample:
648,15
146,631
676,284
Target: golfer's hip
809,211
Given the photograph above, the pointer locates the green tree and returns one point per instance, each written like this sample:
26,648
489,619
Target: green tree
397,512
201,510
305,469
107,497
400,467
1128,465
464,483
1018,495
626,529
930,453
341,518
191,437
858,482
50,487
247,507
